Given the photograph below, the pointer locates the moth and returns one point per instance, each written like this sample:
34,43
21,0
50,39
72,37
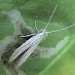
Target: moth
26,49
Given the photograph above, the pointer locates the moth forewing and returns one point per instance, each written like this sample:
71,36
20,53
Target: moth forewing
30,50
24,47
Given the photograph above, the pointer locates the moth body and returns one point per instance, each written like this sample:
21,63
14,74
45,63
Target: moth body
28,47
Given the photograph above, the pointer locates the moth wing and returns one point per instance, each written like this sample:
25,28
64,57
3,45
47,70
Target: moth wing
23,48
25,56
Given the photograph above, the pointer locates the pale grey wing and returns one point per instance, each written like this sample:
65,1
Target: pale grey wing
23,47
30,50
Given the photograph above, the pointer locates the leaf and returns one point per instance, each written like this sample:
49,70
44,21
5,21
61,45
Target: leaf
40,10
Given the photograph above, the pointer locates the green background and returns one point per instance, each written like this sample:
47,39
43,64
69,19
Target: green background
63,17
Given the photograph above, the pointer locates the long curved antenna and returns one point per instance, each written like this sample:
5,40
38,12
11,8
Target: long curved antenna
28,35
36,26
52,31
50,17
61,29
46,25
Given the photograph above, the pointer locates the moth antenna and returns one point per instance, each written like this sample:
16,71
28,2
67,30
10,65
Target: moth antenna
46,25
61,29
28,35
52,31
36,27
50,17
33,33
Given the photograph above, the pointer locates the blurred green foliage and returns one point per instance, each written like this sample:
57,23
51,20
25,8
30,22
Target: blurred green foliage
63,17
